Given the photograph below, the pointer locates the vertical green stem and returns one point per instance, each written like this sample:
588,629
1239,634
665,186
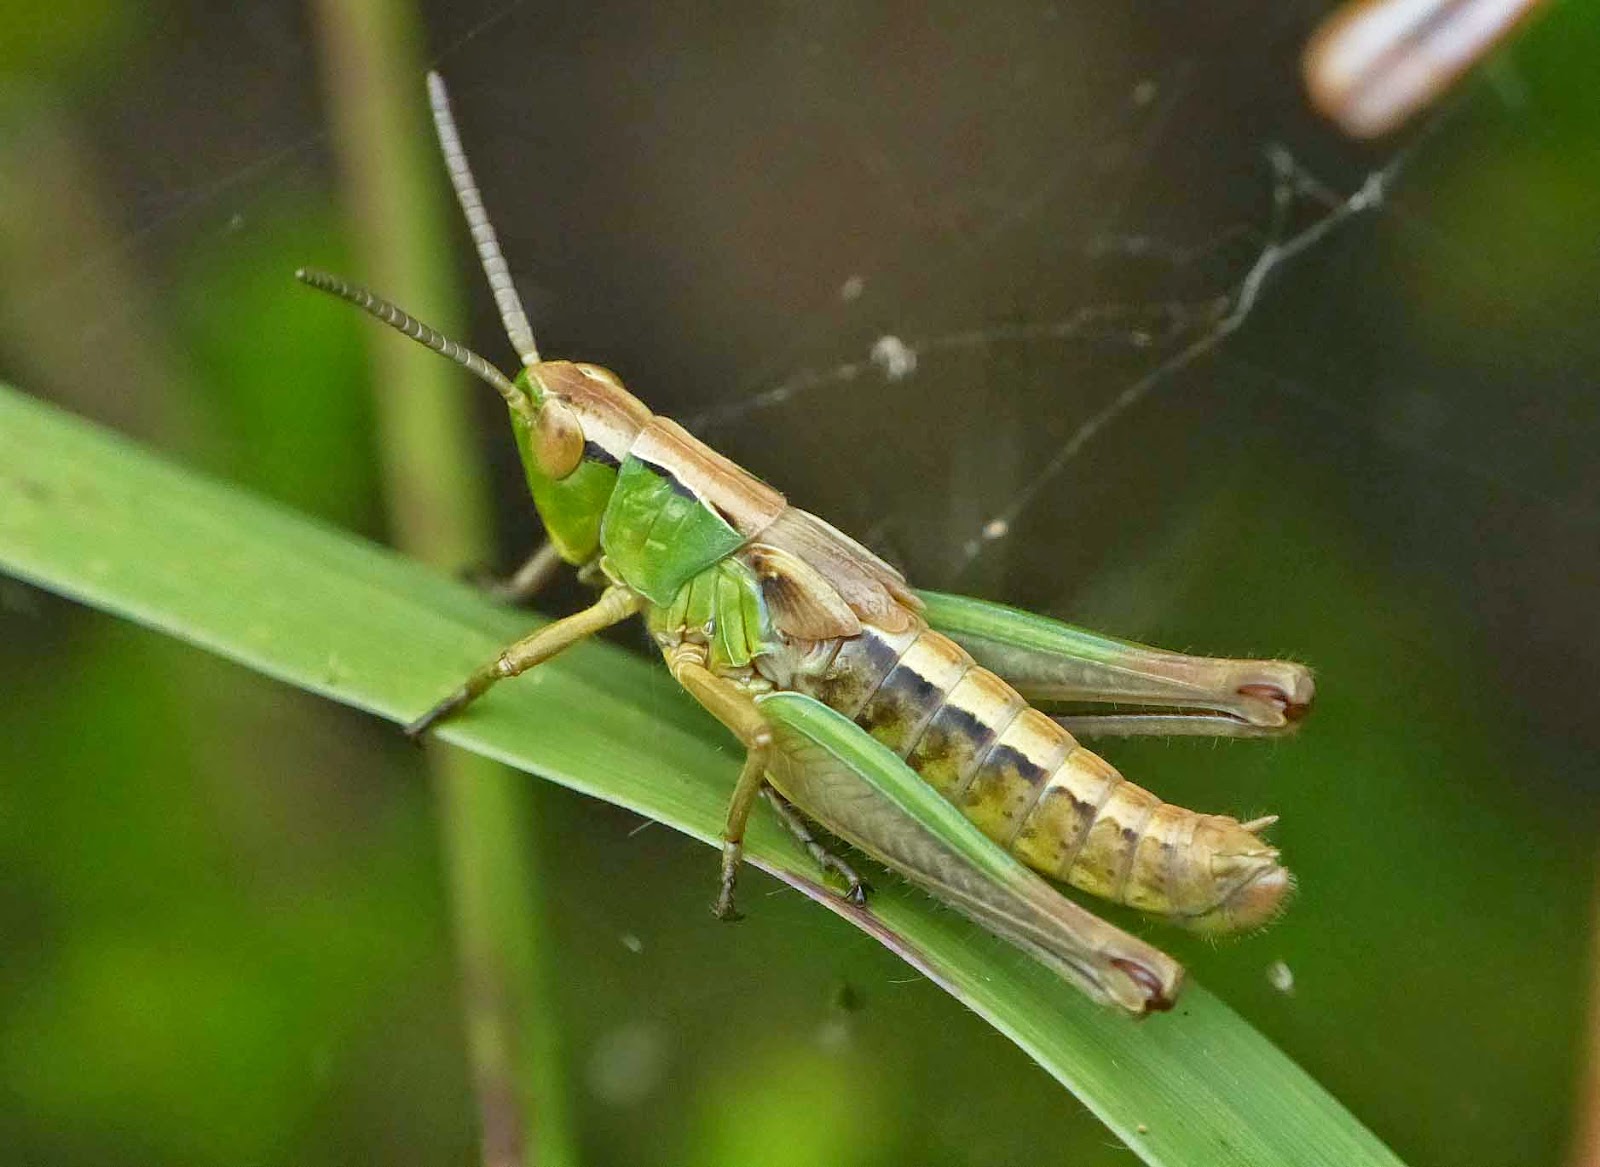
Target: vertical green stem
439,512
1584,1148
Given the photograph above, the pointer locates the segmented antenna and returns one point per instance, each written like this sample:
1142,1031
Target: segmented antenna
494,263
404,322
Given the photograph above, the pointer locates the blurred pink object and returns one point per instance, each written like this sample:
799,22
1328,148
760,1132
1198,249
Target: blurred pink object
1375,63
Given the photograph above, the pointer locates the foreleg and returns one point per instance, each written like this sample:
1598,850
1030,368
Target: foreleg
614,605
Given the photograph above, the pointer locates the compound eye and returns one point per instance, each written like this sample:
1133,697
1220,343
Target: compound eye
557,439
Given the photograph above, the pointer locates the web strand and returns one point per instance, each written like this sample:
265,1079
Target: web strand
1291,182
1132,325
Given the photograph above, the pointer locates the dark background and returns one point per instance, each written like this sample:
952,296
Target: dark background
223,926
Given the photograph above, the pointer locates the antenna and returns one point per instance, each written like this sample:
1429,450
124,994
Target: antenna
404,322
494,263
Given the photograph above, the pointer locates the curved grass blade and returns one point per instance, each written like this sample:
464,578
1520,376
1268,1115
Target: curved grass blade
87,514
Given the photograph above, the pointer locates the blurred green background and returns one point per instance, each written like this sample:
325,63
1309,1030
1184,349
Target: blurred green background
226,937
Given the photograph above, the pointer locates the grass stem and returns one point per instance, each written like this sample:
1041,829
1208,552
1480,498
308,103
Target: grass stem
439,512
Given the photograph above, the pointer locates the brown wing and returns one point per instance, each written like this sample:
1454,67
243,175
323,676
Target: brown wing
875,592
803,604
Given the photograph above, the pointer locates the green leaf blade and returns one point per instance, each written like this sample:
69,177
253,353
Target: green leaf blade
87,514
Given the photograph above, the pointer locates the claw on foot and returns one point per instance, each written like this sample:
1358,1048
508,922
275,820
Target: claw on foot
417,730
856,888
450,706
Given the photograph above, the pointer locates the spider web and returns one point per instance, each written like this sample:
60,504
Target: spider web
1187,332
863,332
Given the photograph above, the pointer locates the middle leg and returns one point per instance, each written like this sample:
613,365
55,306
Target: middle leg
737,710
530,579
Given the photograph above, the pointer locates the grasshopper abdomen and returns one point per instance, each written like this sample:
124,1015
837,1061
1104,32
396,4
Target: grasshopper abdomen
1031,787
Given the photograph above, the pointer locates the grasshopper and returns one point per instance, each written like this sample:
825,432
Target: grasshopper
933,732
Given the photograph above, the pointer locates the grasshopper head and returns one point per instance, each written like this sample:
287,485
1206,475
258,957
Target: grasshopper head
573,422
578,412
572,439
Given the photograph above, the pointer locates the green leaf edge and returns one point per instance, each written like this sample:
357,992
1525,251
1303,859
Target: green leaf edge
88,514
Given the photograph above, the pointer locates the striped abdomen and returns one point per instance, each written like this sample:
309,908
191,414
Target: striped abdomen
1028,784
